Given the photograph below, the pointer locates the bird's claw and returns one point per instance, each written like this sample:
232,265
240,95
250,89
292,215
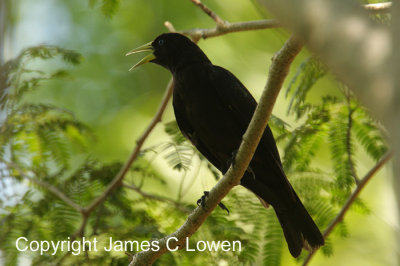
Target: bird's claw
251,172
202,202
222,206
232,160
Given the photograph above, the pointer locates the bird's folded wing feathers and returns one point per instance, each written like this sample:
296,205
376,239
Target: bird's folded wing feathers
189,133
242,105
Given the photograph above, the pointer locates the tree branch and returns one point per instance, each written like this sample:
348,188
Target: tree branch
232,27
378,7
169,26
361,59
361,53
225,27
139,143
117,181
278,71
81,230
385,158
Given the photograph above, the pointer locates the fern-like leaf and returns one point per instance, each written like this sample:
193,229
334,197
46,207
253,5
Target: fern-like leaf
308,73
272,249
340,150
179,157
109,7
172,129
369,134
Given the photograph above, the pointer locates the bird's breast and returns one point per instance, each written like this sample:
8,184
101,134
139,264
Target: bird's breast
212,121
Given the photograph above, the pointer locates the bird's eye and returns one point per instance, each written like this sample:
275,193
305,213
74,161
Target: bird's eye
160,42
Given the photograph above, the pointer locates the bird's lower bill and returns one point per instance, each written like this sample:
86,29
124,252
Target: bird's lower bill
146,59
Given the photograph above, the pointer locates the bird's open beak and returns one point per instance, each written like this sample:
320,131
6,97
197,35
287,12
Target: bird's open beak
143,48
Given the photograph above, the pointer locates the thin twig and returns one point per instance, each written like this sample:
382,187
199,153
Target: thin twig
203,33
232,27
385,158
169,26
178,205
209,12
54,190
378,7
81,230
278,71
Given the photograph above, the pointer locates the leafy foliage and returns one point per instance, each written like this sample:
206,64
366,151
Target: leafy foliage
308,73
339,123
108,7
382,18
272,251
16,79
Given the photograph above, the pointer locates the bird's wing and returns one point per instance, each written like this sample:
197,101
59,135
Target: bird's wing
238,99
242,105
188,131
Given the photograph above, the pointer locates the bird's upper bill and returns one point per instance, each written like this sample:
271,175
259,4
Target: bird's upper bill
146,59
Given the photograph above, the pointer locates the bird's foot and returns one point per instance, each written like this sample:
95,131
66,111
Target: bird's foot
222,206
202,202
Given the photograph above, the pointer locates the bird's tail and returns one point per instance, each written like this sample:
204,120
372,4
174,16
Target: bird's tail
299,228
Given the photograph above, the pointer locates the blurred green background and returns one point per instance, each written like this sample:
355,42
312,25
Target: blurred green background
117,105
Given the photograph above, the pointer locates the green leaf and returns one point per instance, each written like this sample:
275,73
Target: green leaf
179,157
172,129
369,134
273,237
109,7
342,148
308,73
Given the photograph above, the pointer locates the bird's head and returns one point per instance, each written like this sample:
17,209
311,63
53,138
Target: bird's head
172,51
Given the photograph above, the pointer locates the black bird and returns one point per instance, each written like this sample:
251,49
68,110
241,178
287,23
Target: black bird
213,109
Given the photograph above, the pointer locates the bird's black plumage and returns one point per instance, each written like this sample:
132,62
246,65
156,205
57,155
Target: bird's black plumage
213,110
